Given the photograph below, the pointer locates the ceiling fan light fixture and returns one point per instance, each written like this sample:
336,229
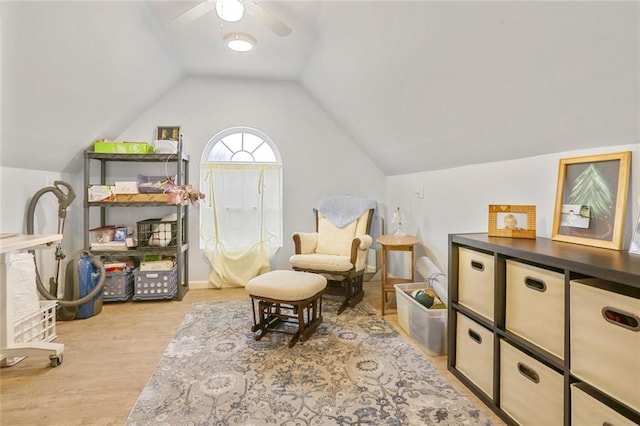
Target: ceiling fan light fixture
239,42
229,10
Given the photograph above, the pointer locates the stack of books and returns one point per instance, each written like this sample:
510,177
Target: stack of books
118,266
157,263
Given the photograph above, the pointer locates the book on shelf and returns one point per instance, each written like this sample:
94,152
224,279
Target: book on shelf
110,245
157,263
118,266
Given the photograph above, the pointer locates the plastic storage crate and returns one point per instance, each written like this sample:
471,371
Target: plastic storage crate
157,233
118,286
155,285
40,326
428,327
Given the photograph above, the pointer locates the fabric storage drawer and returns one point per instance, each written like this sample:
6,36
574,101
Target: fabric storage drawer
474,353
530,392
586,410
605,341
475,281
535,305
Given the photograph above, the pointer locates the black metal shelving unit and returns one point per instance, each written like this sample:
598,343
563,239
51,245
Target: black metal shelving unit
181,251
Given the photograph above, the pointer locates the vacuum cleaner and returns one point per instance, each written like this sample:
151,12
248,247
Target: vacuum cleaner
85,274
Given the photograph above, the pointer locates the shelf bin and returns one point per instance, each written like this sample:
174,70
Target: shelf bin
118,286
157,233
530,392
474,353
428,327
155,285
587,410
535,305
605,340
475,281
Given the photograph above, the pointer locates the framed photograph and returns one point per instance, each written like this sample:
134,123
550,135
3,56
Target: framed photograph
591,200
169,133
512,221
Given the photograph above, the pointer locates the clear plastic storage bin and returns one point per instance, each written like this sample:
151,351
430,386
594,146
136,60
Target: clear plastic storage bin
428,327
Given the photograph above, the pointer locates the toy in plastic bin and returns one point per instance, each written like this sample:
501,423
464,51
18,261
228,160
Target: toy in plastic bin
427,298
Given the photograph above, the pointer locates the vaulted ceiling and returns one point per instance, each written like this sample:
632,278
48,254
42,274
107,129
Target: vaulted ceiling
419,85
199,48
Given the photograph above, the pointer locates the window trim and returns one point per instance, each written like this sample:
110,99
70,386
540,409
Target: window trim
239,129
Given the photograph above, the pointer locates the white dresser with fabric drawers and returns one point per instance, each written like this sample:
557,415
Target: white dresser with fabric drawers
546,332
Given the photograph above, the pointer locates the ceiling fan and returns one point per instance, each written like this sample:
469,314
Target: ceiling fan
232,11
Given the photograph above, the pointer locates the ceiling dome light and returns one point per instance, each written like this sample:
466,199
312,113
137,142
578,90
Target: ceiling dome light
239,42
229,10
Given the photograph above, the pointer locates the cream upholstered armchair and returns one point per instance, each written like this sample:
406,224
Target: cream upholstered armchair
338,253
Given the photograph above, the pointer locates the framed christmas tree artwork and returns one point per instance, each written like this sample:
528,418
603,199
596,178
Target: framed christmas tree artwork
591,200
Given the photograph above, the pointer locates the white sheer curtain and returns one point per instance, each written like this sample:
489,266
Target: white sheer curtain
241,224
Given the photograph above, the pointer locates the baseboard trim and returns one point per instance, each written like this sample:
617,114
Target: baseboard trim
200,284
207,285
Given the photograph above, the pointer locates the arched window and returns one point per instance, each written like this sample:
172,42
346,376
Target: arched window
241,221
238,145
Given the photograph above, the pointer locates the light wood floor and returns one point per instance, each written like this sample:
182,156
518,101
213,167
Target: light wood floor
109,358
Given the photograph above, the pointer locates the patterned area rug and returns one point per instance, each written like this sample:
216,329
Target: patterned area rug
355,369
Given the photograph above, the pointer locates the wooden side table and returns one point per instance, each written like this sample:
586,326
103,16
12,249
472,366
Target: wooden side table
395,243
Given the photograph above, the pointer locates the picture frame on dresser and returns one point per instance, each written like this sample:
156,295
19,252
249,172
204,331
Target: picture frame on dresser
512,221
591,200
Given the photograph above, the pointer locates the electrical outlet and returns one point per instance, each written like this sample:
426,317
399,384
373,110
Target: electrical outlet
419,191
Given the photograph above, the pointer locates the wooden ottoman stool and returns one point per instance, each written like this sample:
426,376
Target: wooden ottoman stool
284,297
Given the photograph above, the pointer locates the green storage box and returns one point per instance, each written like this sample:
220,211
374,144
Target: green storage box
123,147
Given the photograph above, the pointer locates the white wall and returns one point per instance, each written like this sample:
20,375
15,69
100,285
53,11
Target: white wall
1,177
17,188
74,72
456,200
319,159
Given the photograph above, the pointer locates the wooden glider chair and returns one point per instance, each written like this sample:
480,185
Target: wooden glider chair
337,253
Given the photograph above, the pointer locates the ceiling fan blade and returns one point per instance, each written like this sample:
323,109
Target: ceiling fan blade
195,12
258,12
